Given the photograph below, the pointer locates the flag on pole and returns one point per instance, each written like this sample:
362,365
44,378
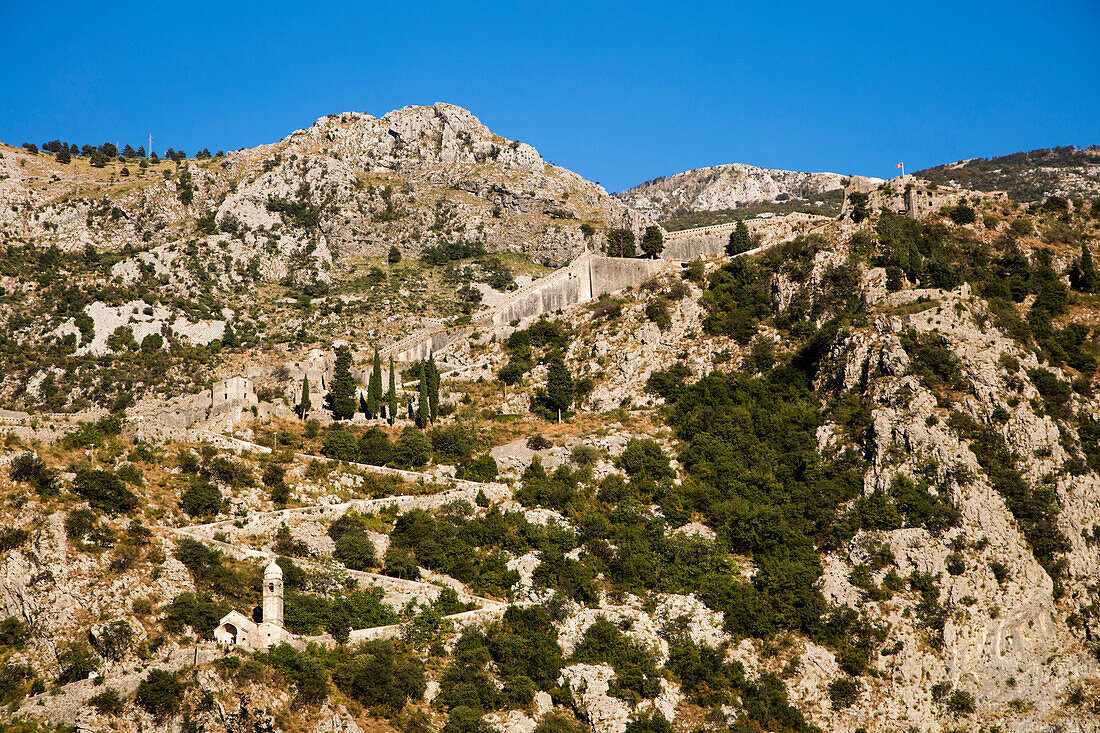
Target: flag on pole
900,165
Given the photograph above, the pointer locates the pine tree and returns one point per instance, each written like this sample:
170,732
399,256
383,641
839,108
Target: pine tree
374,387
423,416
740,241
393,394
304,404
341,396
433,388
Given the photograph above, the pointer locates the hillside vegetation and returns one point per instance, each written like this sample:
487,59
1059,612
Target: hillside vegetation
850,482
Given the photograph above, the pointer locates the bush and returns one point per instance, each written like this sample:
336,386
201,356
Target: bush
29,468
961,702
636,674
159,694
843,692
538,441
77,662
199,612
355,551
105,491
652,723
13,632
308,675
412,449
202,499
483,468
643,459
381,678
374,447
108,702
657,311
962,214
339,444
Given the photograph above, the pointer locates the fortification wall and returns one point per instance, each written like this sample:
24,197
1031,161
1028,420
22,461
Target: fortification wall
611,274
707,244
710,241
433,341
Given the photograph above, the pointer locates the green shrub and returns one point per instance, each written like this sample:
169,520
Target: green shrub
381,678
104,491
108,702
961,702
159,694
844,692
413,449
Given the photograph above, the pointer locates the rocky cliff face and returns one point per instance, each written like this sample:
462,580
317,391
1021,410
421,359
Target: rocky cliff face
724,187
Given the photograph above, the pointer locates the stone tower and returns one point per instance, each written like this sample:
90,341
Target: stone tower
273,594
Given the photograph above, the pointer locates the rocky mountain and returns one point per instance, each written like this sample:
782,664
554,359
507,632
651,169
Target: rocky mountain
725,187
846,481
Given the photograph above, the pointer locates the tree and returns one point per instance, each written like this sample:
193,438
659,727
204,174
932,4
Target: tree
559,387
202,499
374,387
423,416
63,156
433,389
1083,277
104,491
341,395
653,242
510,374
394,255
412,449
304,405
159,694
740,241
392,411
620,243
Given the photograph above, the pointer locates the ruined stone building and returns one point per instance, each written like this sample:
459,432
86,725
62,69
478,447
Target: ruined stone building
907,195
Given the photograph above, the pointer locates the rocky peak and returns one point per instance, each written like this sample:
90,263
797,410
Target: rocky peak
724,187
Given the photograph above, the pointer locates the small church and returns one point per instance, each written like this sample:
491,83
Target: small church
265,628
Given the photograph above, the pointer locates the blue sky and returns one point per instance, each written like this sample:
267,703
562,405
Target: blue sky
617,92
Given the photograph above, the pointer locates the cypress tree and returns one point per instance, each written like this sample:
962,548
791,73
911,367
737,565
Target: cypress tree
374,387
740,240
559,387
341,396
393,394
423,416
433,388
304,404
1088,270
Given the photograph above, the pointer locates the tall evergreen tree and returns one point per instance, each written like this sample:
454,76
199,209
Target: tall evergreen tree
1087,280
433,388
653,242
740,240
393,393
374,387
423,416
341,396
559,387
304,404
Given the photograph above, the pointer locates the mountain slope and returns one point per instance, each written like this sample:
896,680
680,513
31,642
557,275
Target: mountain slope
724,187
1031,176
